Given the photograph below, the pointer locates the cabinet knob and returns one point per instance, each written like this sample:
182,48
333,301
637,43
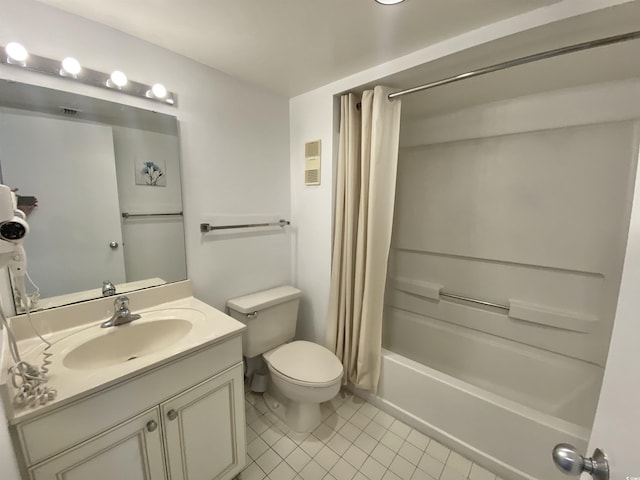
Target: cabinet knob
152,425
172,414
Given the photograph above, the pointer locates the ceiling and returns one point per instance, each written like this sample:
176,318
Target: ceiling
293,46
604,64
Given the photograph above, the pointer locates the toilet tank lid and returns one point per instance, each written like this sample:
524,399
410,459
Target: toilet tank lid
263,299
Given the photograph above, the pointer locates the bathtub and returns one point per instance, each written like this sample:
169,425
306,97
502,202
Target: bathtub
502,404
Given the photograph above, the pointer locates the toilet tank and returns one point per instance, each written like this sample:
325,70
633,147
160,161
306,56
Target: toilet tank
270,316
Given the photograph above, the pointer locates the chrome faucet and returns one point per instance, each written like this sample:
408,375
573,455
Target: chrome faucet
122,314
108,288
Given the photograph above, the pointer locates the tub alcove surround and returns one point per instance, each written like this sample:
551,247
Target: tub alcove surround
537,226
505,268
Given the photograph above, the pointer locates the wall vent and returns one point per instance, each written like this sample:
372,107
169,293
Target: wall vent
312,154
69,111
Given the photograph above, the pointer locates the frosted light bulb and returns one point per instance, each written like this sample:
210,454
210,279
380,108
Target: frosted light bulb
16,52
71,66
389,2
119,79
159,90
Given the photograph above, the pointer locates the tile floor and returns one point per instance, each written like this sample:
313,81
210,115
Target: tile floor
355,441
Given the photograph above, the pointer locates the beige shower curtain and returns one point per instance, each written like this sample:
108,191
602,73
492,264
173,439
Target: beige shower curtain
365,193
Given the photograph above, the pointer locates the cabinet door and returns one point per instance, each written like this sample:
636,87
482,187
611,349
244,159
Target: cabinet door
205,429
131,451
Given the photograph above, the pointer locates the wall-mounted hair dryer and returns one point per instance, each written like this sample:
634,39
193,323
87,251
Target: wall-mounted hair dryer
27,379
13,229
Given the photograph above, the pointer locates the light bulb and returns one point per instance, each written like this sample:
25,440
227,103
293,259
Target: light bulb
71,66
16,51
119,79
159,90
389,2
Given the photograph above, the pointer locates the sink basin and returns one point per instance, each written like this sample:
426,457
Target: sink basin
126,342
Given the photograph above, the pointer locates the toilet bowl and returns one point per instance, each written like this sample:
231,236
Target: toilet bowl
305,374
302,374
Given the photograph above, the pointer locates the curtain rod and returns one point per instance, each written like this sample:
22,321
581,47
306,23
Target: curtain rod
601,42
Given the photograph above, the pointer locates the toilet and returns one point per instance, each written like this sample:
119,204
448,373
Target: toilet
302,374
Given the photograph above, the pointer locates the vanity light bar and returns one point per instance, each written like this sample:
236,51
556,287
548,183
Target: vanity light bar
111,81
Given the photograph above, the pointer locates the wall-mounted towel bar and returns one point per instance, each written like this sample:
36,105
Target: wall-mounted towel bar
129,215
205,227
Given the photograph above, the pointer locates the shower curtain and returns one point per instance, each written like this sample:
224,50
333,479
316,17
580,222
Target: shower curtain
365,194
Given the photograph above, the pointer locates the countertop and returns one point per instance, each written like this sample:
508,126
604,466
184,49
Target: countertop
209,327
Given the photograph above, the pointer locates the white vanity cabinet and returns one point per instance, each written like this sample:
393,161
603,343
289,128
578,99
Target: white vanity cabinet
200,429
180,421
130,451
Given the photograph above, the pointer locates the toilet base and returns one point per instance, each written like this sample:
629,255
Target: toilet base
299,417
275,405
303,417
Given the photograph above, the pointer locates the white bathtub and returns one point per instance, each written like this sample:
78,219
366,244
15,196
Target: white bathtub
503,405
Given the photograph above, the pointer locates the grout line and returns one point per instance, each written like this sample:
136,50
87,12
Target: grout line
325,443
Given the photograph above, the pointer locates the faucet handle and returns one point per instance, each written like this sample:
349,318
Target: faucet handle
108,288
121,314
121,303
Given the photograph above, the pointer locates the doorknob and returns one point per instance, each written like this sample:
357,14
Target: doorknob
113,245
570,462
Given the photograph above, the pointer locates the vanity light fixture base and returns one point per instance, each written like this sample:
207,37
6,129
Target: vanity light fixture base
88,76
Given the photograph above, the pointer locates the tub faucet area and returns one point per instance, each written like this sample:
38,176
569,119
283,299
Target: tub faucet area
122,314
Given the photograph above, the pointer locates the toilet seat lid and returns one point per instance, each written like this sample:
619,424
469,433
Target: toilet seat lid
305,361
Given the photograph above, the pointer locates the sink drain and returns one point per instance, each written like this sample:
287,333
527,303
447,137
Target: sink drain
131,358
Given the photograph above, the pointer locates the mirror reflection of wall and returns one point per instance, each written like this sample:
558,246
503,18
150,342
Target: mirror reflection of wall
85,173
153,242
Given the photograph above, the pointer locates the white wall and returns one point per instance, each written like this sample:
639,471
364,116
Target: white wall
7,457
615,430
70,169
233,136
132,146
152,246
234,140
311,117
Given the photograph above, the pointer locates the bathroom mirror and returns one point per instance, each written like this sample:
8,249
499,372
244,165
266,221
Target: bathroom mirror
100,184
